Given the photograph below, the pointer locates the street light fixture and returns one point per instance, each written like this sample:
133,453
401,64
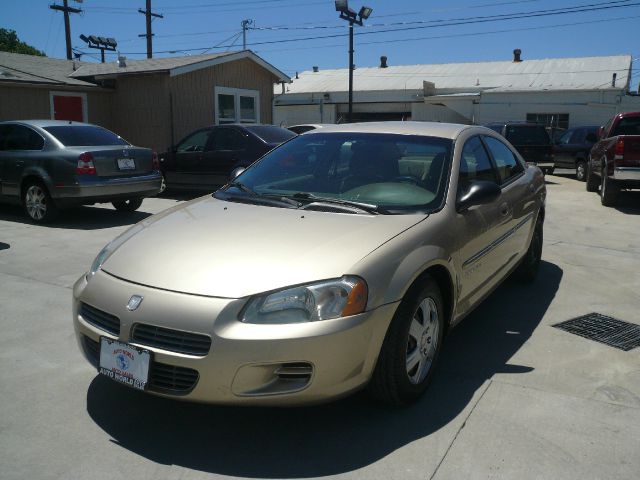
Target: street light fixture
352,17
101,43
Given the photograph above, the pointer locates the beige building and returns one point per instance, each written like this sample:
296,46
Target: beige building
152,103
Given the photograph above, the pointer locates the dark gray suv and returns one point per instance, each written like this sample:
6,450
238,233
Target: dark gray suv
47,165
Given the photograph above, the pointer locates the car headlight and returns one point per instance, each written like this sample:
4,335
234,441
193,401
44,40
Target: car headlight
111,247
341,297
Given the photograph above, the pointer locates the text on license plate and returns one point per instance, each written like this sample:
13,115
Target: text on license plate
126,164
124,363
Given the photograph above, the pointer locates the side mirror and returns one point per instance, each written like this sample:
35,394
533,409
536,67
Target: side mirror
236,172
591,138
480,193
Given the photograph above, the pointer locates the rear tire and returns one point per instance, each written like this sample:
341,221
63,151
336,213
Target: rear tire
592,181
527,271
411,348
38,204
129,205
581,171
609,190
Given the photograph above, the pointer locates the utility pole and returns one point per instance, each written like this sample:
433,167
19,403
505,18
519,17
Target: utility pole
245,26
148,14
66,9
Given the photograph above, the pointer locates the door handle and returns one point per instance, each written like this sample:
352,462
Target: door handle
504,209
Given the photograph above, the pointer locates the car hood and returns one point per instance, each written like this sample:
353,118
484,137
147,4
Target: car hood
225,249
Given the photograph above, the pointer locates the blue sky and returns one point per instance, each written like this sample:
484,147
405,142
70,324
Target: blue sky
195,26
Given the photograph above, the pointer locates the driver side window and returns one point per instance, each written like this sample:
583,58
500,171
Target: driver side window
195,142
474,165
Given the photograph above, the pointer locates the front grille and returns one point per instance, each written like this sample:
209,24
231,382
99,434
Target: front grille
91,349
171,379
163,378
173,340
610,331
98,318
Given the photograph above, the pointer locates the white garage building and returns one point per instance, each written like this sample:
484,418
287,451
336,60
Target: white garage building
558,92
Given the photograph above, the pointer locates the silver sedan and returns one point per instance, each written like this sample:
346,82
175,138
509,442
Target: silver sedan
338,261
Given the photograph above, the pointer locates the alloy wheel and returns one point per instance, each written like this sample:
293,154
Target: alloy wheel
36,202
422,343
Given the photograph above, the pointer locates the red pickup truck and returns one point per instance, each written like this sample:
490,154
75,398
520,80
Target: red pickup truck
614,161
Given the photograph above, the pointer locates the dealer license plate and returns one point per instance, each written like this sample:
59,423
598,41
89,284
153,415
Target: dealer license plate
124,363
126,164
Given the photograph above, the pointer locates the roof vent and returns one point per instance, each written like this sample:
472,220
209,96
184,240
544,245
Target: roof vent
516,55
315,69
613,79
383,61
122,61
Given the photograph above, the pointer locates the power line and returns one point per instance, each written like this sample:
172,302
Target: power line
471,20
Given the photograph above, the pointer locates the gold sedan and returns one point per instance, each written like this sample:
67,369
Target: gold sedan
338,261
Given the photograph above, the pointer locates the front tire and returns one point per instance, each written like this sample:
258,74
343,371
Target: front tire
129,205
592,181
581,171
38,204
411,347
527,271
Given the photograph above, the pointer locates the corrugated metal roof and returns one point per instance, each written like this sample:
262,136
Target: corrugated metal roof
16,67
587,73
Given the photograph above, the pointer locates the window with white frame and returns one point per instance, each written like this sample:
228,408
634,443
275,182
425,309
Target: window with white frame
235,105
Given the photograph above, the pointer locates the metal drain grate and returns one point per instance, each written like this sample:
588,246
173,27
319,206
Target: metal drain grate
610,331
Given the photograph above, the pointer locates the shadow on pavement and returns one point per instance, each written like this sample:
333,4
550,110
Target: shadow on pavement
334,438
79,218
628,202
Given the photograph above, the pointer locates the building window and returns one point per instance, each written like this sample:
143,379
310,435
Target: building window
553,120
234,105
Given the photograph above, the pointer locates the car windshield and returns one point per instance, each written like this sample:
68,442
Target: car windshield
527,135
271,134
84,135
392,172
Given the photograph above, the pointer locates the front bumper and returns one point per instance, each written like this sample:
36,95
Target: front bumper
246,364
97,190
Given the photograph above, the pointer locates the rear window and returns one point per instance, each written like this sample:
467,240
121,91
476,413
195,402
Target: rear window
271,134
84,135
627,126
527,135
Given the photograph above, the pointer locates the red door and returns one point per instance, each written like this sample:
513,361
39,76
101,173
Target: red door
67,108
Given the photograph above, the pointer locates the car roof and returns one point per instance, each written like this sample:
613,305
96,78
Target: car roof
431,129
46,123
522,123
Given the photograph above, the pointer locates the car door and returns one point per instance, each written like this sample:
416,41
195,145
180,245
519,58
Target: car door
20,148
183,169
482,254
517,198
226,147
564,150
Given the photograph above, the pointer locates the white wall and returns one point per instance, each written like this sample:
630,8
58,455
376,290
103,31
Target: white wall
287,115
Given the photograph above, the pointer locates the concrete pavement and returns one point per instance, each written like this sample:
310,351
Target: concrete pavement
514,397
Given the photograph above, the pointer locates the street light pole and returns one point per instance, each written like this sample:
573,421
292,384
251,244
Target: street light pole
350,117
352,17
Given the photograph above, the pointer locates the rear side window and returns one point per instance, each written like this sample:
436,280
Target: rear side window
84,136
527,135
474,165
226,139
19,137
271,134
507,163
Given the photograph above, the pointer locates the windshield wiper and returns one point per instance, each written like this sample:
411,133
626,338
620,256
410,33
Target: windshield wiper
315,200
254,196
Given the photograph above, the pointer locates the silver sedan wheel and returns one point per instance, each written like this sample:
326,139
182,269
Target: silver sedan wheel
36,202
422,343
